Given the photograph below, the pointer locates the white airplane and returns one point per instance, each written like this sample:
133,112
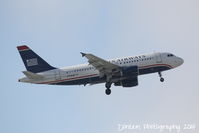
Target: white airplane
120,72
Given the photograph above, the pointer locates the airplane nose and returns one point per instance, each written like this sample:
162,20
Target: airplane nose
181,61
178,61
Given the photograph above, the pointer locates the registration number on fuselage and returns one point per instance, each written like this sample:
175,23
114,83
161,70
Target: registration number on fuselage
72,75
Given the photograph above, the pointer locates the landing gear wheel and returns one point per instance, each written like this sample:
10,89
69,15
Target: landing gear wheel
108,86
162,79
108,91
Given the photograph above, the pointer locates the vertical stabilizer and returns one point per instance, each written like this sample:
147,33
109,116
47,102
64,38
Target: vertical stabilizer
33,62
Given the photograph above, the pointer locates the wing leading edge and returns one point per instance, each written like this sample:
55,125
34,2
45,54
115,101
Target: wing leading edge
104,67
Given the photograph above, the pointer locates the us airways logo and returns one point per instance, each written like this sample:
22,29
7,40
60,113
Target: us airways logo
32,62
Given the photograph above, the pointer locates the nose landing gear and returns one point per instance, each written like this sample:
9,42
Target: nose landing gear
161,78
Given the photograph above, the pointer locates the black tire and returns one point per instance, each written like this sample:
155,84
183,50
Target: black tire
162,79
108,91
108,85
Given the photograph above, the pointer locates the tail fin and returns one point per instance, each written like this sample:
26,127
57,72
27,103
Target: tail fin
33,62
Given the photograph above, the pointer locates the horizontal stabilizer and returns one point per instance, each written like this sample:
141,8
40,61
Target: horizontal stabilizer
31,75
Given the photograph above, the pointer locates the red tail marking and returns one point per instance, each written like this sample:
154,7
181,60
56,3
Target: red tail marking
23,47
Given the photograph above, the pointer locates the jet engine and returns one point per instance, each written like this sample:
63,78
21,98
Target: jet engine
131,77
131,71
127,82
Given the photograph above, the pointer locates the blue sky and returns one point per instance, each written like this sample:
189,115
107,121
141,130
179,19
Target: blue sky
59,29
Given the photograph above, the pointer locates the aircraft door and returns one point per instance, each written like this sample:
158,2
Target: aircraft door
158,58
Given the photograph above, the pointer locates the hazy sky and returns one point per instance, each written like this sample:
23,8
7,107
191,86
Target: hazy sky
59,29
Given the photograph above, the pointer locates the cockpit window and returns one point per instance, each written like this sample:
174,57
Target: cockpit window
170,55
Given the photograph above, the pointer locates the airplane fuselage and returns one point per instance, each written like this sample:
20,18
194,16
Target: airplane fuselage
120,72
88,74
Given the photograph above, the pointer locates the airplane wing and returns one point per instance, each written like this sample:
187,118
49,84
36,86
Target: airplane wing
104,67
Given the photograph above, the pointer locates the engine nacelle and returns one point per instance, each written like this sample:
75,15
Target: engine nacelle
129,76
127,82
131,71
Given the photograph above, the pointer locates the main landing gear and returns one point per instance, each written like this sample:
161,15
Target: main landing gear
108,90
161,78
108,84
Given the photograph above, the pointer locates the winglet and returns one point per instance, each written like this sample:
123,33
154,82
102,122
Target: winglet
83,54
